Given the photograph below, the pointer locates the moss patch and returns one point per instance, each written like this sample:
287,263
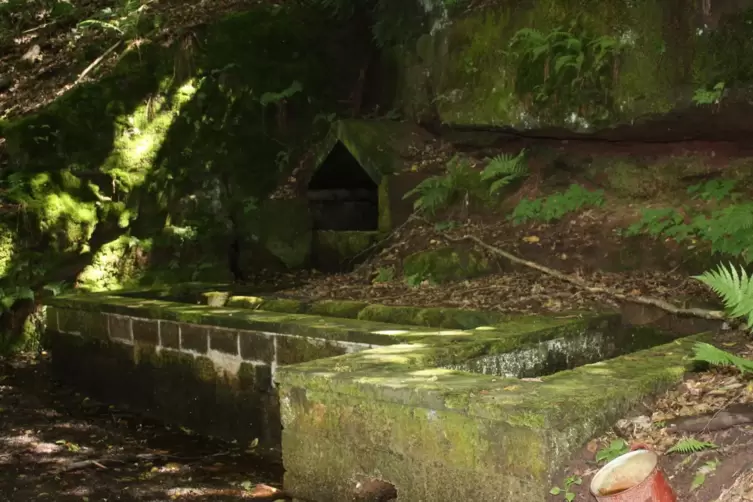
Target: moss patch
446,264
342,247
336,308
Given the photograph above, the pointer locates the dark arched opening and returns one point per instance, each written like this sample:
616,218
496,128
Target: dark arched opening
342,196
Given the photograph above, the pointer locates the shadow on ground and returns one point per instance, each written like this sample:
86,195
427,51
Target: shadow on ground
58,445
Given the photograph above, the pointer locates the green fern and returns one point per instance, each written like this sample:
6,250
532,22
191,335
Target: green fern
734,287
503,170
557,205
432,194
717,357
691,445
440,191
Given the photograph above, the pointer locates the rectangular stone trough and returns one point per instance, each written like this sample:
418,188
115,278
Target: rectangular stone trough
440,414
396,415
210,369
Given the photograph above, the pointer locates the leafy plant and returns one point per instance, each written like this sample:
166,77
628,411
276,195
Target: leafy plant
566,68
503,170
716,357
416,280
726,230
565,492
557,205
713,96
269,98
735,289
717,190
384,274
700,476
691,445
615,449
125,19
11,296
437,192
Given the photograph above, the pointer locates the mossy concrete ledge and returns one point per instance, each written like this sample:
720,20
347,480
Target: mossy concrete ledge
442,435
209,369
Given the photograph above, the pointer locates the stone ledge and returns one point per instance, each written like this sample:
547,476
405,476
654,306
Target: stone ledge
504,433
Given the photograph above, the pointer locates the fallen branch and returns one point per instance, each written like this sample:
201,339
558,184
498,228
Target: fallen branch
738,414
714,315
97,61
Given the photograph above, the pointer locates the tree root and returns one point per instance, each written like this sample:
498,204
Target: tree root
739,414
714,315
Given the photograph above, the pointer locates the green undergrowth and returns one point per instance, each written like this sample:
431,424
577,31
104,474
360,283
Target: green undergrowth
720,220
554,207
143,176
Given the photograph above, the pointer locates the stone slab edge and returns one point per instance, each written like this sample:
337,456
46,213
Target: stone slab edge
349,330
598,391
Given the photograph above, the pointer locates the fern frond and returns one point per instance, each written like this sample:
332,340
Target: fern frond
735,289
505,165
432,193
707,353
691,445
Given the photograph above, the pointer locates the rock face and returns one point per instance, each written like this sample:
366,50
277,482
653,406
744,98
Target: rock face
583,66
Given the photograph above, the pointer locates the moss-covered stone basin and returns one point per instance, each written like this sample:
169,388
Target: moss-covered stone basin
346,398
376,414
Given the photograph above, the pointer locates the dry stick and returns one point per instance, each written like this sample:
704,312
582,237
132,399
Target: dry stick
97,61
714,315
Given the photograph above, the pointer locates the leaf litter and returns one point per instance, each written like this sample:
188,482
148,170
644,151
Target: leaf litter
58,445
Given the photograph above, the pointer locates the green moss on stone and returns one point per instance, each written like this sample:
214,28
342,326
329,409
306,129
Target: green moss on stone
344,245
246,302
446,264
385,313
204,369
476,79
336,308
216,298
289,241
283,305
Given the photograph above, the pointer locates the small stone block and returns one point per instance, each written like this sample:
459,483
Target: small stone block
257,346
52,318
94,324
293,350
169,334
257,377
223,341
145,331
120,327
69,321
193,338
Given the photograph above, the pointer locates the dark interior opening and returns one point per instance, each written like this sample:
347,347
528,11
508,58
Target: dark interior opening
342,196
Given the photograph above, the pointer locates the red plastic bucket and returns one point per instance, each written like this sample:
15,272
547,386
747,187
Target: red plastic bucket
632,477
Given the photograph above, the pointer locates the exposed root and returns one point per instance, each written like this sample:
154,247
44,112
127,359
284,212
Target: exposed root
714,315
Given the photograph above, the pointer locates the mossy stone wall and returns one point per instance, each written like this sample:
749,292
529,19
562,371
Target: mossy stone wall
620,61
155,172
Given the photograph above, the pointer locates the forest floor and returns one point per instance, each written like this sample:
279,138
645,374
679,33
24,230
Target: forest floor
713,407
58,445
581,245
44,53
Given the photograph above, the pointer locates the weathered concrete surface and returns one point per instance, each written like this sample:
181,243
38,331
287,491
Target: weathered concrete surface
351,399
442,435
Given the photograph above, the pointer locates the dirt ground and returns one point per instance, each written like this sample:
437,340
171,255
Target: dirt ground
57,445
722,473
